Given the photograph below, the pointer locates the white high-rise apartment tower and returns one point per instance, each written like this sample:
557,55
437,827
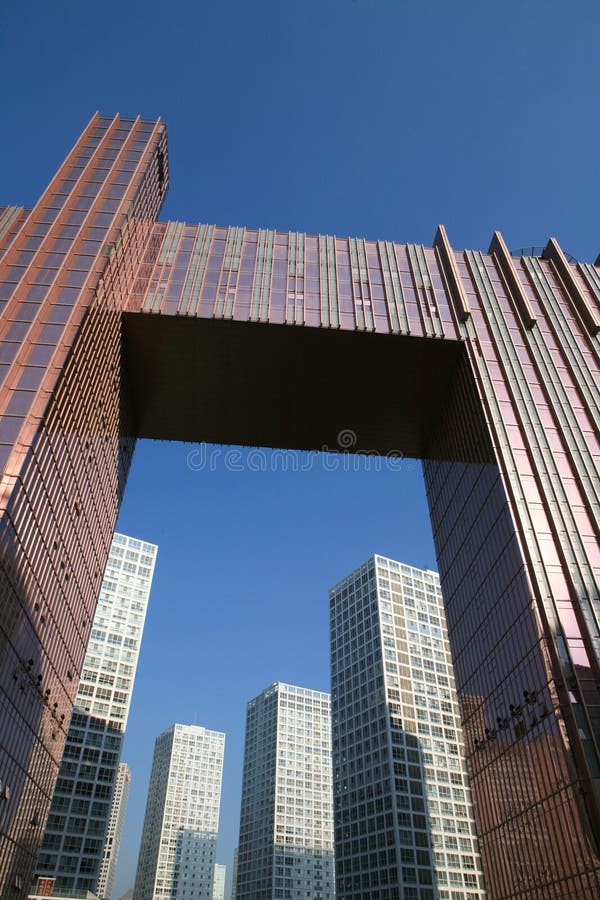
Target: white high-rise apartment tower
286,823
112,843
179,837
219,882
404,825
72,848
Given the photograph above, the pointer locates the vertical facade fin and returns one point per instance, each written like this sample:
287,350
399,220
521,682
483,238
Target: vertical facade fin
507,267
7,218
553,252
450,270
388,288
259,307
334,302
190,295
324,282
590,275
421,280
356,291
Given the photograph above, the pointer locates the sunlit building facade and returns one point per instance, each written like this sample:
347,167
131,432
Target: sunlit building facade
74,850
112,842
65,450
181,823
286,822
115,326
219,882
404,822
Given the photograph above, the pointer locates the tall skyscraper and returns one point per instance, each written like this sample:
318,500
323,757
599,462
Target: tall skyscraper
112,842
73,848
404,824
219,882
286,820
114,326
179,838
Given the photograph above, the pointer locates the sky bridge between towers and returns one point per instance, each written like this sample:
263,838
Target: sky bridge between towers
115,326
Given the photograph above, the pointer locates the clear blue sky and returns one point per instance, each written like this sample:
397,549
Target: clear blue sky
378,118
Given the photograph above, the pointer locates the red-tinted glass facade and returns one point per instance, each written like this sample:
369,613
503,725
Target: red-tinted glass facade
65,446
517,542
116,326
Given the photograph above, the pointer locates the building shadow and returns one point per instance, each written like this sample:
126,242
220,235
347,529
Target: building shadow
193,871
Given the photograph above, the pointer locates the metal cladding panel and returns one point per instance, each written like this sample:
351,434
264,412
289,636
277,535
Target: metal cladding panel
294,279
